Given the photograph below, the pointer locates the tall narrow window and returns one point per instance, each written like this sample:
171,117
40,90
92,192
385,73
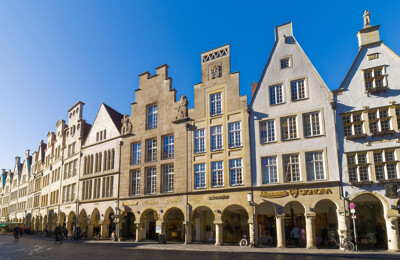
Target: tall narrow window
275,95
235,134
199,175
269,170
168,178
168,147
152,112
358,167
151,178
291,167
135,182
315,166
136,153
217,174
297,88
312,126
216,104
151,155
289,127
216,138
267,131
236,172
199,141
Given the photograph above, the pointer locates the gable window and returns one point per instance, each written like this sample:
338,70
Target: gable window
135,182
269,170
151,180
217,174
289,127
267,131
297,88
275,95
168,178
199,141
168,147
136,153
236,172
291,167
311,124
285,63
216,138
151,155
235,134
216,104
375,79
315,166
200,176
353,125
152,112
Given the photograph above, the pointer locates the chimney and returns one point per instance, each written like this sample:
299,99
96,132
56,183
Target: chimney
253,88
17,159
369,34
27,153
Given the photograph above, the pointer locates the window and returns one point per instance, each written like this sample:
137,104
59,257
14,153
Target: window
398,117
285,63
375,79
217,174
168,147
151,150
358,167
135,182
275,95
216,104
235,134
353,125
289,127
151,179
236,172
385,165
291,167
379,124
297,88
199,141
199,176
216,138
267,131
311,124
315,166
168,178
108,183
152,112
136,153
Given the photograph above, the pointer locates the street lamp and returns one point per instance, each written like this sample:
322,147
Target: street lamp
252,204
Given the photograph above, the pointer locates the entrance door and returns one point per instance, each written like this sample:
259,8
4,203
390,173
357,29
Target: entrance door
152,230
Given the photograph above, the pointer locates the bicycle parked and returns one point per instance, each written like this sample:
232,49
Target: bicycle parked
345,243
244,242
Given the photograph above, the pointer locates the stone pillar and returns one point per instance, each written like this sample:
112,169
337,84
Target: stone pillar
280,231
90,230
188,232
251,232
103,231
341,226
218,233
138,231
310,231
392,233
256,232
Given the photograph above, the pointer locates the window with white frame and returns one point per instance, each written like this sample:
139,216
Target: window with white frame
216,104
136,153
267,131
385,165
151,154
199,141
291,169
379,121
289,127
151,180
152,112
216,138
135,182
353,124
269,170
235,134
298,89
200,176
236,172
357,166
315,166
312,125
217,174
375,78
168,178
168,147
275,95
285,63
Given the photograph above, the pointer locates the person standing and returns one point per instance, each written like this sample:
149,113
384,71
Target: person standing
296,235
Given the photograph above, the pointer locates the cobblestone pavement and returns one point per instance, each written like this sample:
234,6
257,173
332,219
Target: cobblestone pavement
32,247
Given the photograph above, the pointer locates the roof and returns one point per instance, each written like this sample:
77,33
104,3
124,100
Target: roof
116,117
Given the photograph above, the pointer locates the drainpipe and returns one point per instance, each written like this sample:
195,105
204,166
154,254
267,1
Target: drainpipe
187,184
252,204
119,177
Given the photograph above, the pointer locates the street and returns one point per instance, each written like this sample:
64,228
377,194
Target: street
32,247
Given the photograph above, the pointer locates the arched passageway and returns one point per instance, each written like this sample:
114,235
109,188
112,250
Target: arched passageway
295,223
173,224
266,224
234,224
203,225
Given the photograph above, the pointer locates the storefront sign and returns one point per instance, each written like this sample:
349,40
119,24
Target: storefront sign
315,191
149,202
294,193
219,197
274,194
130,203
173,200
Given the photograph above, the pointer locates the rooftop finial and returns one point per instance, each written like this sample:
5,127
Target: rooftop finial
367,19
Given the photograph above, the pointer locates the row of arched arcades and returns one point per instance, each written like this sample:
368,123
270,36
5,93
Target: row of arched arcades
274,224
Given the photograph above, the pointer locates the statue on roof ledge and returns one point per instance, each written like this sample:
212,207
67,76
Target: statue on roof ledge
367,19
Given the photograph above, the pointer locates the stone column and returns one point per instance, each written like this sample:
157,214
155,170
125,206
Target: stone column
188,232
103,231
392,233
251,232
90,230
138,231
280,231
218,233
310,231
341,226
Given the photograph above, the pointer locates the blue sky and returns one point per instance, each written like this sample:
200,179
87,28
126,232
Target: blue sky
54,53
